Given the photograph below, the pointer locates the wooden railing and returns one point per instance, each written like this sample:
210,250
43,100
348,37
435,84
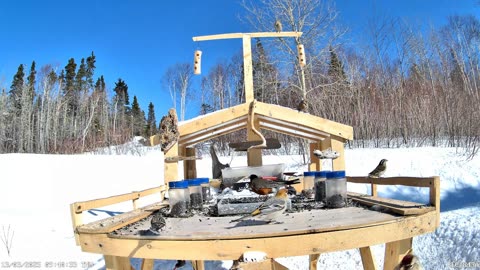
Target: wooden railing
77,208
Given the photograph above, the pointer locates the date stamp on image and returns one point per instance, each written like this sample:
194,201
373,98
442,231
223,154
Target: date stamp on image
464,265
45,265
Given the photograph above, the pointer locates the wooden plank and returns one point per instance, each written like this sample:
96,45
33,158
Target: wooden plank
147,264
277,266
215,120
396,206
291,129
110,224
232,249
394,252
79,207
313,261
117,263
435,195
368,259
272,143
294,223
254,155
401,180
253,35
304,119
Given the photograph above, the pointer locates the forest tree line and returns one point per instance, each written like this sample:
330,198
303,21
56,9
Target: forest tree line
401,85
69,111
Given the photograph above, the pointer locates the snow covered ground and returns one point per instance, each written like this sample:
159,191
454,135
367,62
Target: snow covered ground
36,190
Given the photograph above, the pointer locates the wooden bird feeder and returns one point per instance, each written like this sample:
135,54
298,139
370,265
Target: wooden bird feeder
311,232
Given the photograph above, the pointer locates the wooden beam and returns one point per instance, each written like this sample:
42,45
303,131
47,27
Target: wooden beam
313,261
394,252
401,180
79,207
253,35
368,260
338,164
281,113
247,68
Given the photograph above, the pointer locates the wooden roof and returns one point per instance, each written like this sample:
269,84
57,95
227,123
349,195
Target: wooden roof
270,117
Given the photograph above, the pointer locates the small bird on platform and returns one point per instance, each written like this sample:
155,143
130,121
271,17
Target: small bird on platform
157,223
179,264
278,26
379,170
271,209
263,186
302,106
409,262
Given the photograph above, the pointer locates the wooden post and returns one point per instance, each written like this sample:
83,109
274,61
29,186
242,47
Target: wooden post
254,155
198,265
335,144
147,264
435,196
76,221
315,164
117,263
189,166
368,260
247,68
313,259
394,252
171,169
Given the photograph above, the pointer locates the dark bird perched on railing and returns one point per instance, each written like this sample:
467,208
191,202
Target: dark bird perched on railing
217,166
278,26
379,170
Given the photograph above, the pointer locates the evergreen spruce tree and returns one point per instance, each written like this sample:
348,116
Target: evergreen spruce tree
121,92
31,82
151,128
335,69
138,118
16,89
80,78
69,87
90,70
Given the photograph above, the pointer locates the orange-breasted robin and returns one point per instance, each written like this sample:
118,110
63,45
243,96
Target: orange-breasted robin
263,186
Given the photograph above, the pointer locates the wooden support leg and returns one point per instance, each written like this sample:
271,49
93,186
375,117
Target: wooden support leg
368,260
147,264
198,265
117,263
394,252
189,166
315,164
313,258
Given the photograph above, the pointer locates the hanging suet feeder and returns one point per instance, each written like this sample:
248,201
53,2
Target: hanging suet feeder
301,55
197,62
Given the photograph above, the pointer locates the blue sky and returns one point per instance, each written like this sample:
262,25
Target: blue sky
138,40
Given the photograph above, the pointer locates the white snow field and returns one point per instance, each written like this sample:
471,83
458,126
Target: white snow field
36,190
